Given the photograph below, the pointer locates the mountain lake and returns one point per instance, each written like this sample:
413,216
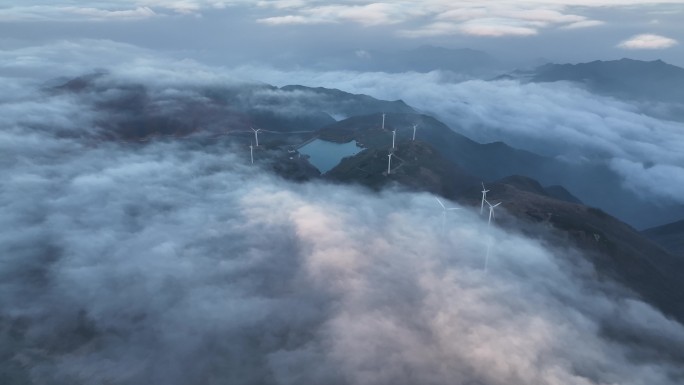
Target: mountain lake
325,155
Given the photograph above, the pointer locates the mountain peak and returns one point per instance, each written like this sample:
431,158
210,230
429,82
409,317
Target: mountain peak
627,78
81,83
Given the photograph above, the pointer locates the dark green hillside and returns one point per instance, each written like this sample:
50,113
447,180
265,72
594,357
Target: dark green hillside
415,165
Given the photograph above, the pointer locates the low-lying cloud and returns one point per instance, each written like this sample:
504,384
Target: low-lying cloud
648,41
176,263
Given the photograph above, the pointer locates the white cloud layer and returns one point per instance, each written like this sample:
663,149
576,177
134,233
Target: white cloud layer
414,18
648,41
75,13
438,17
492,19
583,24
368,15
175,263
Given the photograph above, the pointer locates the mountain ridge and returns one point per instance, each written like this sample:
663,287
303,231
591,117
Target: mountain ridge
625,78
614,248
670,236
293,114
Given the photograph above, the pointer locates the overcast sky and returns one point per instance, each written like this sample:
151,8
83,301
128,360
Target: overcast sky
234,31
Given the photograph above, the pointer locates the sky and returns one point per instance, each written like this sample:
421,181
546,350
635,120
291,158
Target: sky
273,32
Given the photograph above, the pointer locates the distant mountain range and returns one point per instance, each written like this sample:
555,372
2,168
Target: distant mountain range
635,79
652,81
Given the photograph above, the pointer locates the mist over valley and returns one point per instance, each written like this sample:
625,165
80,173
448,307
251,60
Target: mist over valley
423,199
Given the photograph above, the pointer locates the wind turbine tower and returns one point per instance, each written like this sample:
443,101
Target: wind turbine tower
389,163
256,135
383,120
491,212
484,198
394,135
251,152
489,241
414,132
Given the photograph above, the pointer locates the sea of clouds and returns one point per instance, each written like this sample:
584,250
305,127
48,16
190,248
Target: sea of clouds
175,262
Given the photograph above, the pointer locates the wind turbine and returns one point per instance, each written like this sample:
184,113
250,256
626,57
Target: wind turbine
484,198
389,162
256,135
444,212
383,120
394,135
491,212
489,241
414,132
251,152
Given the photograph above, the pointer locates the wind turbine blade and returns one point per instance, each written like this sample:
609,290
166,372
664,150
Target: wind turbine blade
440,203
497,204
